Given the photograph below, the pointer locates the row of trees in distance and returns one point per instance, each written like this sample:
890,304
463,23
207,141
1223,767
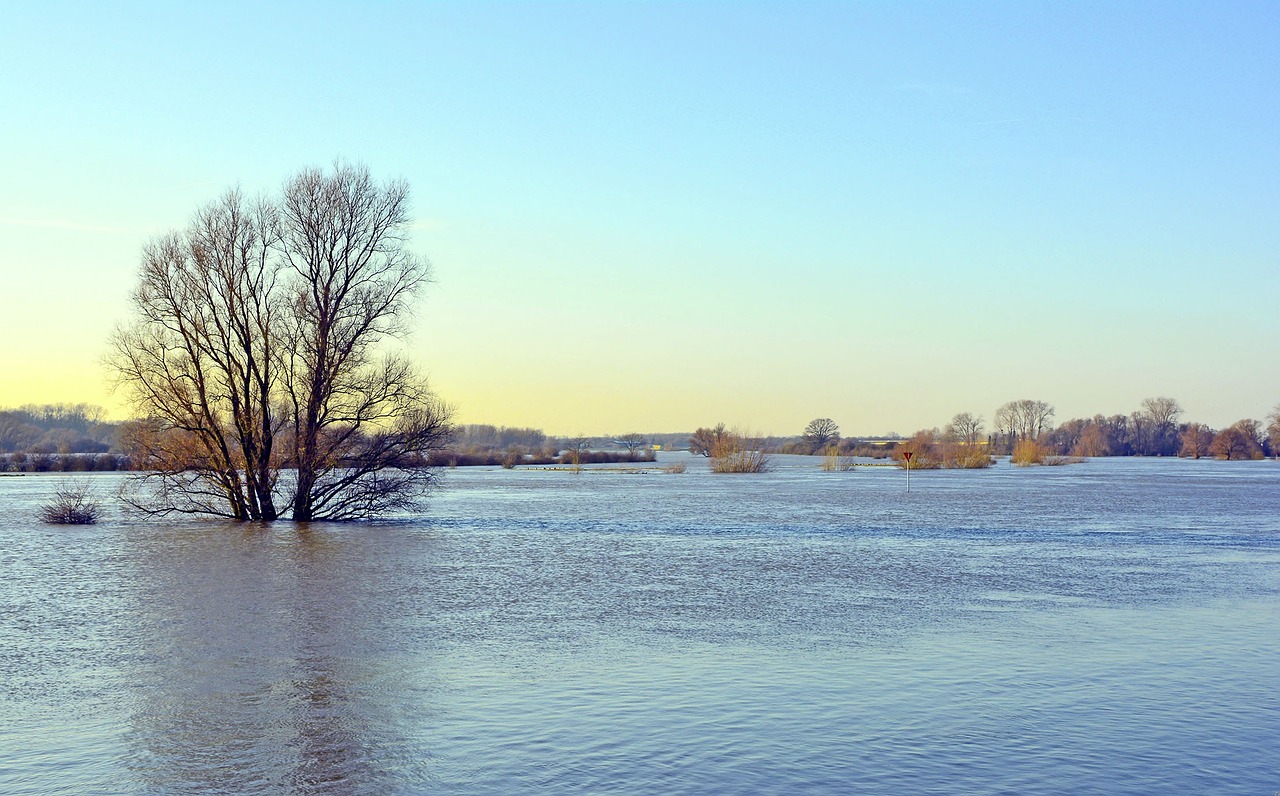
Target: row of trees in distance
56,428
1156,428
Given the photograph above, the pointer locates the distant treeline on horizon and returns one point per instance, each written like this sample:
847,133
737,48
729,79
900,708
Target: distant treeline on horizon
76,437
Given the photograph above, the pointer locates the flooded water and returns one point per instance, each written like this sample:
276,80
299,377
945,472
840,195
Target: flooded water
1111,627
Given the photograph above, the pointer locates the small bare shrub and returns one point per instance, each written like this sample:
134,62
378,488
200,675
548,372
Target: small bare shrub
73,503
674,467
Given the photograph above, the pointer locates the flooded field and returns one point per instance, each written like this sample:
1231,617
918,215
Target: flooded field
1111,627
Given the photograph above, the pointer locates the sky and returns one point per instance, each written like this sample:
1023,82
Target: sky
658,216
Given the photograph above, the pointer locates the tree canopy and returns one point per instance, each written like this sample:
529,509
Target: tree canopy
821,432
257,356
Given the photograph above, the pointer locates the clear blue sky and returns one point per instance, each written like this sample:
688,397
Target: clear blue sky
654,216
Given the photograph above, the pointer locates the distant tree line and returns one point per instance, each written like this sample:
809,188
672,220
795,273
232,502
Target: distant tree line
76,438
480,444
1156,428
1024,429
59,438
56,428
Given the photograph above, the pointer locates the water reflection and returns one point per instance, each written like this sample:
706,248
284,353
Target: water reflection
262,670
330,753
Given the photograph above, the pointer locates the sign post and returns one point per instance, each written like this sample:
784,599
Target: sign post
907,455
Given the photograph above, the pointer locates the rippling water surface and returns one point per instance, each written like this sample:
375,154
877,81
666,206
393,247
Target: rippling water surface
1108,627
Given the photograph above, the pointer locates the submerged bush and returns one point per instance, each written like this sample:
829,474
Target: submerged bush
72,504
834,462
734,453
1027,452
924,450
967,457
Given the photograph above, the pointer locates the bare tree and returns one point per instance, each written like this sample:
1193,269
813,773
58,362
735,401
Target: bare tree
255,349
1196,439
965,428
632,442
1162,411
1024,419
821,432
1156,426
198,361
574,448
1141,433
704,440
1006,424
1238,441
1273,431
355,413
1252,429
1092,442
1036,415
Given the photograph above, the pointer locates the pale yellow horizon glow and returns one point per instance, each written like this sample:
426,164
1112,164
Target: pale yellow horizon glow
656,218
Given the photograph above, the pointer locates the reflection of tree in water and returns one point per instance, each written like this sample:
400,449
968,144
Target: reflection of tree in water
254,674
330,756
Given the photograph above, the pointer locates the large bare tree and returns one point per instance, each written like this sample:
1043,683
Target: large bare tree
353,278
1157,426
965,428
256,351
821,432
1023,419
